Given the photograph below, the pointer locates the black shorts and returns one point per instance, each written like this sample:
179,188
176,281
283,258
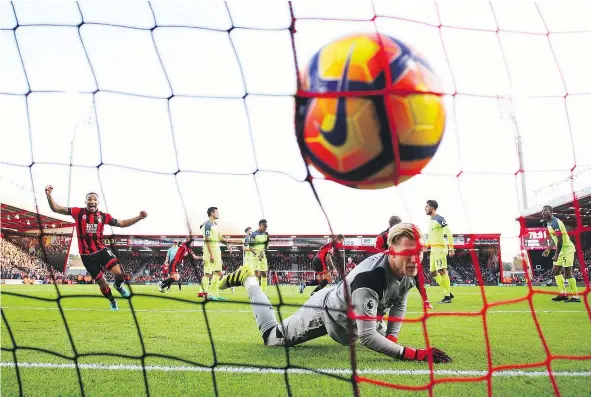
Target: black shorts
95,263
318,266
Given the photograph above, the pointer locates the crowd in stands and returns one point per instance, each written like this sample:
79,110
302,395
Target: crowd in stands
24,263
16,263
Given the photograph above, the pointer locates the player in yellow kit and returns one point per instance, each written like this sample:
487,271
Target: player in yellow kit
212,255
438,230
258,244
563,258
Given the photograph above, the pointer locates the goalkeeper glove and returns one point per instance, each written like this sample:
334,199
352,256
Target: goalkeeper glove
423,355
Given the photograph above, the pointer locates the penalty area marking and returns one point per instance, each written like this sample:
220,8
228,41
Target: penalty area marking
295,371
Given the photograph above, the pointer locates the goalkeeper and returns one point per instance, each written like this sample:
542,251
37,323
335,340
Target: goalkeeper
379,285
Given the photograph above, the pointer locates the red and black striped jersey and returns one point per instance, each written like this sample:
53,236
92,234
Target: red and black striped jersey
329,247
382,240
181,254
89,228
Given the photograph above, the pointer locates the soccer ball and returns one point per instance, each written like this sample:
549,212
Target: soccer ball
369,138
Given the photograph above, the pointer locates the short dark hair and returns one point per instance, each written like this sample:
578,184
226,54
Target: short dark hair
432,203
262,221
247,229
394,220
88,194
211,210
340,237
548,207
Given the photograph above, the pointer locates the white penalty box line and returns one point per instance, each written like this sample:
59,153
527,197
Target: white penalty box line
294,371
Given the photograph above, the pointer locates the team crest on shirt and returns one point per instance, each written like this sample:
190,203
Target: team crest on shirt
84,217
369,305
99,219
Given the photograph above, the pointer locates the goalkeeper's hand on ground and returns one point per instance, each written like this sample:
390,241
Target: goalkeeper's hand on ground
411,354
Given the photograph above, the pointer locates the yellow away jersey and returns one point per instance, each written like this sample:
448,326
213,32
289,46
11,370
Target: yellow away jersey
557,231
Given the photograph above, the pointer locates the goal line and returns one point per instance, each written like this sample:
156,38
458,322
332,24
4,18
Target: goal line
296,371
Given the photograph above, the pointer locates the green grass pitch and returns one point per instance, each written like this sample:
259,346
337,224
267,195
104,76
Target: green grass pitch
178,329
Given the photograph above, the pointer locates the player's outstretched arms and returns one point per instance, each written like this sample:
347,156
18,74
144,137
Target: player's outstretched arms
54,207
131,221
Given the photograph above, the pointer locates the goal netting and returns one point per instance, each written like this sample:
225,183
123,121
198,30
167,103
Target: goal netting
173,107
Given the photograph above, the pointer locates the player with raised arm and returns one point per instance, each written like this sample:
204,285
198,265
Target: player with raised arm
258,244
379,285
212,254
563,257
90,223
170,254
438,230
182,253
382,244
324,265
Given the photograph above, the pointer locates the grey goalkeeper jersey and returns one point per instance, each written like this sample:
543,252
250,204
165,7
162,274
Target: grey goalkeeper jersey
374,292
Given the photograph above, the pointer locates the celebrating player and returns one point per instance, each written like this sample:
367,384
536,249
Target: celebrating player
258,244
170,254
438,229
212,255
183,252
379,285
323,263
382,244
563,257
90,223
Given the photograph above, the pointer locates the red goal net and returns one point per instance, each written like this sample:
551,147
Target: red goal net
173,109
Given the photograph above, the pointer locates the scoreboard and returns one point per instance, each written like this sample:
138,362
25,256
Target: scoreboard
535,238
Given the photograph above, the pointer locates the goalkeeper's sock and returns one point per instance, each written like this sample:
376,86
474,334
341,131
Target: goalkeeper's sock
572,285
205,284
261,307
446,284
322,284
560,283
264,283
108,294
213,288
311,283
439,281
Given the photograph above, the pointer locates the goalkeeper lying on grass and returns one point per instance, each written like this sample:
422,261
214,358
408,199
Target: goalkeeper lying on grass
379,285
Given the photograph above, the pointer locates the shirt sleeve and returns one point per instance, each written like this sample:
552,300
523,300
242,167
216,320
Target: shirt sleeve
398,310
365,304
560,230
109,220
447,232
207,229
74,211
